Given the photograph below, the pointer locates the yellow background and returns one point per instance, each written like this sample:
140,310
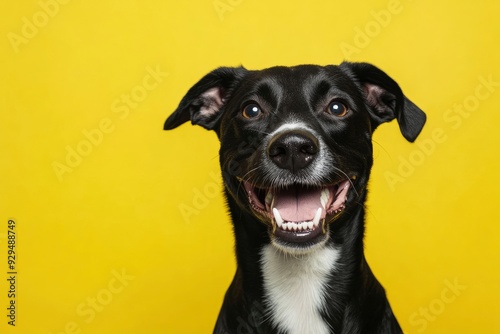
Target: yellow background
118,212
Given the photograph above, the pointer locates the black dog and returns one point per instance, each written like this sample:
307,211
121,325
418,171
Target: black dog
296,155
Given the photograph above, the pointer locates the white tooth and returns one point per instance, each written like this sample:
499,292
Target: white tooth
294,226
325,194
317,216
310,225
277,218
287,226
299,227
269,197
304,226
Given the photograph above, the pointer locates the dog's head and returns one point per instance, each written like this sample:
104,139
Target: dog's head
296,146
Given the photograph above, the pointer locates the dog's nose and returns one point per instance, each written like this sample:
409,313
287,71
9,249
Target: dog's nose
293,150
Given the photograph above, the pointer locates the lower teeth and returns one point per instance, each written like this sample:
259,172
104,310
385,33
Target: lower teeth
294,226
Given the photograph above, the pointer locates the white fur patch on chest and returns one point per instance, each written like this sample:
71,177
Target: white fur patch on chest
294,288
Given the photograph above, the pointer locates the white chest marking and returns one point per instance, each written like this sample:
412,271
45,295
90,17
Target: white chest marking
294,288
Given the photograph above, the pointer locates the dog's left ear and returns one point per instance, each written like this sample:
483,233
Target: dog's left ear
386,100
203,103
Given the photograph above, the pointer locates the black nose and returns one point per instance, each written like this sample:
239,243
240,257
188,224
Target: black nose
293,150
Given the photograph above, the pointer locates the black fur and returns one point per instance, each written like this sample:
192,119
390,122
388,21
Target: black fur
356,302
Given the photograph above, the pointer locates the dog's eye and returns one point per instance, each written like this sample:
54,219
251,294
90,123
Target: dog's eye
337,108
251,110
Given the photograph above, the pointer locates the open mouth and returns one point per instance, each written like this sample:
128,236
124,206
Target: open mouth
298,214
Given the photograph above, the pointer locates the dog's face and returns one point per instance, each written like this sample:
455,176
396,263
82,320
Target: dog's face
296,145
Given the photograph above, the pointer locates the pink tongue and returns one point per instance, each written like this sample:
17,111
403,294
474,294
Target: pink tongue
297,204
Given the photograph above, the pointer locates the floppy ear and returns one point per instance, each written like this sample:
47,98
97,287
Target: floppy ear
204,102
386,100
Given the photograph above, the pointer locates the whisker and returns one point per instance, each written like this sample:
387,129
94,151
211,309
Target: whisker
263,132
383,149
348,178
246,178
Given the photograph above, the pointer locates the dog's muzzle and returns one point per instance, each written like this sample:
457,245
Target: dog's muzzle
297,213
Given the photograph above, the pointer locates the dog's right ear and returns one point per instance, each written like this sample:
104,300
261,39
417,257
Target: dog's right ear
386,100
203,104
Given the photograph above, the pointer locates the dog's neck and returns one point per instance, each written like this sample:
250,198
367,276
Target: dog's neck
295,288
